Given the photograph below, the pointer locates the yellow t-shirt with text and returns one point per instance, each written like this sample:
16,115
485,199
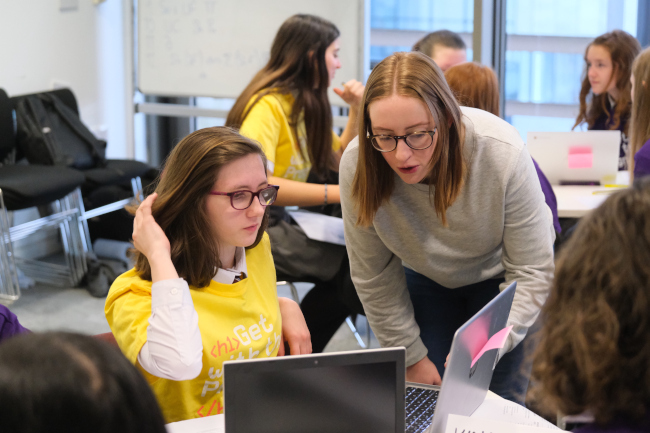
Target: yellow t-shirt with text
237,321
285,148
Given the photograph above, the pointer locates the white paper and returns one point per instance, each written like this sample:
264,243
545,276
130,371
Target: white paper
320,227
499,409
463,424
208,424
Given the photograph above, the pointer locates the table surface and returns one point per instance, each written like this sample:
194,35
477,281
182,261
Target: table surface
576,201
494,407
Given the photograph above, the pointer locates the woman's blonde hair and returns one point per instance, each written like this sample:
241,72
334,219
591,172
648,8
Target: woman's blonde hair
474,85
640,120
622,48
413,75
186,179
594,348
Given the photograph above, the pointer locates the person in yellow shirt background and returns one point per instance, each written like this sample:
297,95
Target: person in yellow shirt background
286,108
203,289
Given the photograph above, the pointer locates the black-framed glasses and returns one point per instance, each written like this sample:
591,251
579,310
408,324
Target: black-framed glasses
418,140
242,199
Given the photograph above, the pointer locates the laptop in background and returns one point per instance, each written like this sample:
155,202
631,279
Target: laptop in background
357,392
580,157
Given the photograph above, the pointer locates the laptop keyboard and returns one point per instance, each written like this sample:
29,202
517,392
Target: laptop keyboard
420,404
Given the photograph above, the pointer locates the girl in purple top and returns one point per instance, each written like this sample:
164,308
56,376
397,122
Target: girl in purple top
640,126
594,349
605,93
9,325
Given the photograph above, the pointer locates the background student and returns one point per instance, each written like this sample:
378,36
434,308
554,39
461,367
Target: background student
286,109
9,324
605,94
203,289
445,47
476,85
594,350
442,207
62,382
640,121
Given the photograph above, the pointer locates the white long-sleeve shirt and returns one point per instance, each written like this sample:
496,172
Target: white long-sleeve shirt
174,349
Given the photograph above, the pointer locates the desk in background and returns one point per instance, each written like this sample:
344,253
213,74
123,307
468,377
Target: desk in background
576,201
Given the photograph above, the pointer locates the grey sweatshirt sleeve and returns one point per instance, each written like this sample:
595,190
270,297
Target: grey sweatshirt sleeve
528,238
378,276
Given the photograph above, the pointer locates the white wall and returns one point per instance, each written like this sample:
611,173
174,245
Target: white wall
42,47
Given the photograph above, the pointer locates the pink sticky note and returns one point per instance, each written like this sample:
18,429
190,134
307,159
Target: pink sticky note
581,157
495,342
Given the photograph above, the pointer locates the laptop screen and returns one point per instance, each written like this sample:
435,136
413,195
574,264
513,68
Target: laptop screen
316,393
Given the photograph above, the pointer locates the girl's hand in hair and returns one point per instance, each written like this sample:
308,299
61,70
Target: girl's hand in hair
294,329
352,93
148,237
423,371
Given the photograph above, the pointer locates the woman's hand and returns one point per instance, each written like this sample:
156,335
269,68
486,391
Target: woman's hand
352,93
148,237
294,329
423,371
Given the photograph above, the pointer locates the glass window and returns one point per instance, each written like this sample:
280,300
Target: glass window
546,42
396,25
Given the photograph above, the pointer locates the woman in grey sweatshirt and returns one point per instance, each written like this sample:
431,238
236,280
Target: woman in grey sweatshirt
442,209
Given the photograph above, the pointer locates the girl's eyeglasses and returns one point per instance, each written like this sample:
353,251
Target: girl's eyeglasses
242,199
419,140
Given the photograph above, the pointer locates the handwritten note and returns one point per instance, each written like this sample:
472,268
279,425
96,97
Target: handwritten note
499,409
495,342
581,157
464,424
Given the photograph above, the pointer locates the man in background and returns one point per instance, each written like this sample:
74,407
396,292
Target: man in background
445,47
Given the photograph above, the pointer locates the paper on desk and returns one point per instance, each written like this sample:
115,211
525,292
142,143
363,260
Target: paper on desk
495,342
459,424
499,409
208,424
320,227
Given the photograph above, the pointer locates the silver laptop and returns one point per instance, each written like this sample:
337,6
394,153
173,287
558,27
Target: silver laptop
463,387
587,157
362,391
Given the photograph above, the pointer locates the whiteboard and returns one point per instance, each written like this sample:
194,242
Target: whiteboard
214,47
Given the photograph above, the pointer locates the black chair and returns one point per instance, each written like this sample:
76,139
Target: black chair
23,186
116,172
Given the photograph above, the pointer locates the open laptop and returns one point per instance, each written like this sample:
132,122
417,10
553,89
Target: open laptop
464,386
362,391
587,157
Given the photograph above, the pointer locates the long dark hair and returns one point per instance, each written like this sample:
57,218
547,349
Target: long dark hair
297,66
623,48
413,75
187,177
64,382
594,349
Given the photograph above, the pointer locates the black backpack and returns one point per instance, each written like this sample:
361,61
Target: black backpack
51,133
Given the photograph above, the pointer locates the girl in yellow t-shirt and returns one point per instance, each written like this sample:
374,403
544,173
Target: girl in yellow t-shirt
286,108
203,289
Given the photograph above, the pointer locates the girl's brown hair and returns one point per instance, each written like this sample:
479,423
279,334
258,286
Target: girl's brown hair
623,48
474,85
297,66
640,124
187,177
413,75
594,349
